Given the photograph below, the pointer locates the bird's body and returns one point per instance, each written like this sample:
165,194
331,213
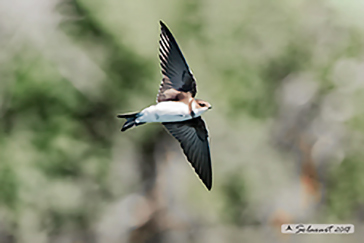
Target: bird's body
177,109
170,111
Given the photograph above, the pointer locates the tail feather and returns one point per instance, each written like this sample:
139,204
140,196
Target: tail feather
128,115
130,120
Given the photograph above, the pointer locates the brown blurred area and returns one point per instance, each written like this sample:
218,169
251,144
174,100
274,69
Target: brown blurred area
285,78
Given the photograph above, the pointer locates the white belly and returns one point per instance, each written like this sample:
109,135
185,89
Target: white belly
167,111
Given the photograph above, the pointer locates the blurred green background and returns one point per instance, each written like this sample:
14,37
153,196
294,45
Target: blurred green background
285,78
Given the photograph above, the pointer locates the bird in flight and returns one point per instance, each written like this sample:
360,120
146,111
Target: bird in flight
177,109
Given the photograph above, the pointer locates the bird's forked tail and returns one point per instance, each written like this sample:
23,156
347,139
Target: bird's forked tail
130,120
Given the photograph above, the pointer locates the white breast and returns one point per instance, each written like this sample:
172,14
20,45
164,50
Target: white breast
167,111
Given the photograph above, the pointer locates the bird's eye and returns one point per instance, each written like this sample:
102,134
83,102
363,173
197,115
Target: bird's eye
202,105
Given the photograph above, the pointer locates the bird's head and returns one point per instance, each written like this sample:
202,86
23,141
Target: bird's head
202,106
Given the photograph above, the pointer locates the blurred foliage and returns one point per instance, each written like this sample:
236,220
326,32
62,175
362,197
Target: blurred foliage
346,187
236,206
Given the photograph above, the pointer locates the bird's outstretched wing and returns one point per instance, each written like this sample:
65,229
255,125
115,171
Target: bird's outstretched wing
193,136
176,73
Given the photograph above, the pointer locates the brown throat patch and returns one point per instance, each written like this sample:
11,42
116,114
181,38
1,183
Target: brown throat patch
190,108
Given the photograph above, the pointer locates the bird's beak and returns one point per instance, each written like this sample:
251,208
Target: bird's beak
210,107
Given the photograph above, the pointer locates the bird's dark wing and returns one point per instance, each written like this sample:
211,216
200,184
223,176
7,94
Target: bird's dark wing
176,73
193,136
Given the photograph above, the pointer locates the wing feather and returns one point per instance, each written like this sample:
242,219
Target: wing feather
193,137
176,73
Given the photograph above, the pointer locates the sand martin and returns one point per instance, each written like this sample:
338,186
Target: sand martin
177,109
